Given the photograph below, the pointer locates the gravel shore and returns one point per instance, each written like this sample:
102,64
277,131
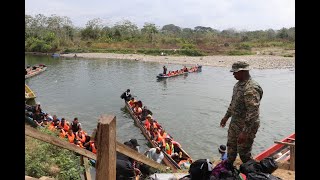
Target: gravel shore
255,61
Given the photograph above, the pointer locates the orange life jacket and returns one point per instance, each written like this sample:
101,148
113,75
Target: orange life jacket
65,126
51,127
93,148
62,134
71,137
83,137
147,125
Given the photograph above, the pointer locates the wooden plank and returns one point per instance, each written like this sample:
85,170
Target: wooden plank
139,157
106,148
284,143
32,132
85,163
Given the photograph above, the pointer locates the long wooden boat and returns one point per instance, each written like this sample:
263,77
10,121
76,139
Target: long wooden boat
167,159
32,73
280,151
162,76
29,94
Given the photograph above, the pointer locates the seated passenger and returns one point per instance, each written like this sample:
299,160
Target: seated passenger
71,136
81,136
64,125
132,101
137,111
145,112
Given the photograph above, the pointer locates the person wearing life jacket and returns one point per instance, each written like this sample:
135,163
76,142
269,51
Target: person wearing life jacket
62,134
145,112
169,148
75,125
51,126
71,136
154,124
147,122
161,137
78,143
132,101
93,147
81,136
64,125
137,110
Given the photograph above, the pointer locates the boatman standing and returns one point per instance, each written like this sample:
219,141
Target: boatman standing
126,95
244,113
164,70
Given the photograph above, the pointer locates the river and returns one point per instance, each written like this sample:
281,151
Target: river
188,107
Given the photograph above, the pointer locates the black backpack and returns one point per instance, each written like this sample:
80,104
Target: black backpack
268,165
250,166
200,169
262,176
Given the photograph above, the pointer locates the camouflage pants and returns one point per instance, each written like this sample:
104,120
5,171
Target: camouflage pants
243,149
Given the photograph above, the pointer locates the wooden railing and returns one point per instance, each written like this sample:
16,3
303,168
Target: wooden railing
107,145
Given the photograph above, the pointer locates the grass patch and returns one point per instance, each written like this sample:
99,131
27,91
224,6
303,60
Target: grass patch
44,159
239,53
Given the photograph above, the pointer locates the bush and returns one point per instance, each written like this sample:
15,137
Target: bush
239,53
188,46
44,159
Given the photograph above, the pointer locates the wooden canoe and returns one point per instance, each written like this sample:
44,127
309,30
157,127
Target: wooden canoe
161,76
279,151
35,72
167,159
29,94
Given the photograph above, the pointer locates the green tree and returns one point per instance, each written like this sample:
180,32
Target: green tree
149,29
92,30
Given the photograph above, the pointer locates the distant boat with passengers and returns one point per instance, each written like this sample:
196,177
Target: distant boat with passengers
183,71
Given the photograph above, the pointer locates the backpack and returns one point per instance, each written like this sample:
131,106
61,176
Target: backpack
225,171
250,166
200,169
262,176
268,165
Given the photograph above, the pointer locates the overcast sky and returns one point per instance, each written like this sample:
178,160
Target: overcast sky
217,14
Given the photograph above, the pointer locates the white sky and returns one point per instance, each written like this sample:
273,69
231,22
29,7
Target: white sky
217,14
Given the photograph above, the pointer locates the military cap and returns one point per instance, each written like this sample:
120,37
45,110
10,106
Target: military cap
240,65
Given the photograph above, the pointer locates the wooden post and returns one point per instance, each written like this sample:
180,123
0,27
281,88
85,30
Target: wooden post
85,163
106,148
292,153
292,157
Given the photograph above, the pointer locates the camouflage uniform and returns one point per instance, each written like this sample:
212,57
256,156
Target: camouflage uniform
244,113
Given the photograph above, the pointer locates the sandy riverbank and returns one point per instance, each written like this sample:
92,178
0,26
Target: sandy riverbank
256,61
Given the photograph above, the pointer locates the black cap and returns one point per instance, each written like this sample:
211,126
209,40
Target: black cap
134,142
128,90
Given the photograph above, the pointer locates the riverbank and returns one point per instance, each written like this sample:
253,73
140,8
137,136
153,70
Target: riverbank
256,61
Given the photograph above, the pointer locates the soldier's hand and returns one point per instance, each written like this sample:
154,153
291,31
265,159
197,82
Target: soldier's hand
223,122
242,138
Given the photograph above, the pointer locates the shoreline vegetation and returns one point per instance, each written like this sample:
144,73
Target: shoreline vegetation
167,44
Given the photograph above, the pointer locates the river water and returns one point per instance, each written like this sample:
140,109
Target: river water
188,107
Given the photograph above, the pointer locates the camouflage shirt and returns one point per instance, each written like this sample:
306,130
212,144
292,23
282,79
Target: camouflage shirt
244,106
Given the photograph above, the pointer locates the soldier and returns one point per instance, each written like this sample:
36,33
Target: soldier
244,113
